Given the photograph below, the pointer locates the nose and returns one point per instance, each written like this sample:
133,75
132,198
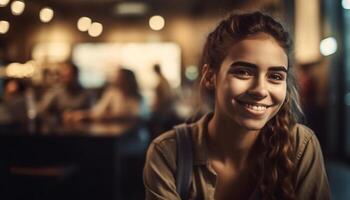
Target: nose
258,89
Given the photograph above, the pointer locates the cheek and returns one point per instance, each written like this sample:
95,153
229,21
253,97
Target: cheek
237,87
279,95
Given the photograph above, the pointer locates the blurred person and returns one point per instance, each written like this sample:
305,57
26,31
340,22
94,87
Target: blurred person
164,97
164,116
68,95
13,103
121,101
313,97
251,146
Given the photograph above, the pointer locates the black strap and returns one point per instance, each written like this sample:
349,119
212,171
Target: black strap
184,160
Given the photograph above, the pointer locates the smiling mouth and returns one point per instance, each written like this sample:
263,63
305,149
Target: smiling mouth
257,107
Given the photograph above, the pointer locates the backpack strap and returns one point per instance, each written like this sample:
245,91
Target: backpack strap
184,160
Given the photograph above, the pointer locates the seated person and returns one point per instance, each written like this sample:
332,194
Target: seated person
120,102
68,95
12,103
120,111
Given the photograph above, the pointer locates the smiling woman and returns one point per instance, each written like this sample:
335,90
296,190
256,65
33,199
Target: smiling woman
251,146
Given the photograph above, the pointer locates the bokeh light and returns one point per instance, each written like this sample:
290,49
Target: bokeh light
95,29
4,3
328,46
4,26
346,4
191,72
156,22
84,24
18,70
17,7
46,14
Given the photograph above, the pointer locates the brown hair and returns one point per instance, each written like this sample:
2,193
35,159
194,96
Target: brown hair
128,84
275,169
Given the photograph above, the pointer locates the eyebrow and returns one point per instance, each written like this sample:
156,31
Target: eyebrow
254,66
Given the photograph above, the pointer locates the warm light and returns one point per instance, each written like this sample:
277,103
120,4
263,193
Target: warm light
156,22
4,3
18,70
4,26
53,52
328,46
46,14
130,8
17,7
84,24
346,4
95,29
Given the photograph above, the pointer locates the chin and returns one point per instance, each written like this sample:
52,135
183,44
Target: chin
253,125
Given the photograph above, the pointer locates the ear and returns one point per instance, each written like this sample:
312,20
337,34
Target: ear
208,77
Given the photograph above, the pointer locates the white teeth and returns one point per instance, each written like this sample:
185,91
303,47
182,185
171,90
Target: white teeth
256,107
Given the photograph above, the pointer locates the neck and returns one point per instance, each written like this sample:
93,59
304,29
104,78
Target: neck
229,141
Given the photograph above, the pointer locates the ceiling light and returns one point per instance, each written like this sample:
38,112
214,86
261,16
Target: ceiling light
4,3
46,14
17,7
130,8
95,29
328,46
156,22
84,24
4,26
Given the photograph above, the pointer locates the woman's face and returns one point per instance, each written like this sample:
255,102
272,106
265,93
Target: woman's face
250,86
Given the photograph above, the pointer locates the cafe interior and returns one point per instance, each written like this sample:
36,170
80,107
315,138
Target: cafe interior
66,132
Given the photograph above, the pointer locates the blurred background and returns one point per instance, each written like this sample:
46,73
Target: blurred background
86,84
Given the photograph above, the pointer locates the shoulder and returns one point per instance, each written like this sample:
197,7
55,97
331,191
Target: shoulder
165,147
165,141
160,166
54,93
163,150
309,156
303,137
56,90
111,90
311,177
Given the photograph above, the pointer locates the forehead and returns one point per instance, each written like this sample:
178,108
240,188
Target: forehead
260,49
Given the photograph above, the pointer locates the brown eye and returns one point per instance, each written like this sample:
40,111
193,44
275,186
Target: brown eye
242,73
277,77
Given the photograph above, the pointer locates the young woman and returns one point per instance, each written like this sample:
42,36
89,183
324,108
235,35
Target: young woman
251,146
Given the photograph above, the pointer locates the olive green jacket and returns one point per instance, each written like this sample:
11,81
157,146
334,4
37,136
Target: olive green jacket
160,167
